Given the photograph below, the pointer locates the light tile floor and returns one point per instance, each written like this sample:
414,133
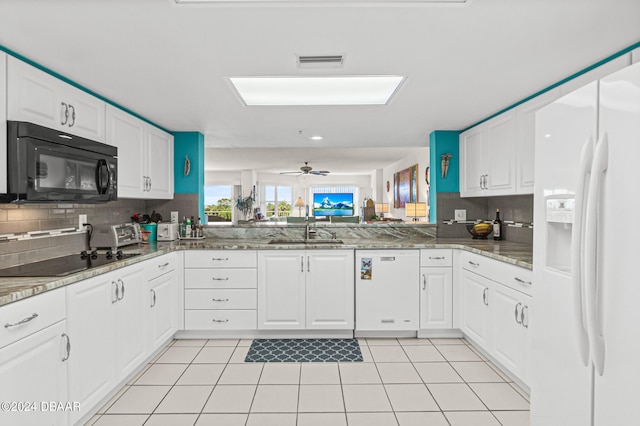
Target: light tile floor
402,382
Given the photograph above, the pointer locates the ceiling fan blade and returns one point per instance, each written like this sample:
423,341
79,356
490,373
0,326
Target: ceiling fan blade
319,173
291,173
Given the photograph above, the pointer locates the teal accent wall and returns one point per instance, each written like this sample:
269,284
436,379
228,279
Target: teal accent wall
189,144
443,142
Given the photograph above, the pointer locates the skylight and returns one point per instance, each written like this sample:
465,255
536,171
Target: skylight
307,91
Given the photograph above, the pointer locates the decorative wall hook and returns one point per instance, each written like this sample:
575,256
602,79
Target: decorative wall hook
445,164
187,165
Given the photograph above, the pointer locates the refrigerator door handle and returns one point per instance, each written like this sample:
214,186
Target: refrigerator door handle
598,168
577,272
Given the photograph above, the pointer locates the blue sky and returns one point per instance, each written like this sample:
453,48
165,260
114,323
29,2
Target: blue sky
213,193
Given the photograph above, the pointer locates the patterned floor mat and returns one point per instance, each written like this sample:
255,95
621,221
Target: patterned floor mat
304,350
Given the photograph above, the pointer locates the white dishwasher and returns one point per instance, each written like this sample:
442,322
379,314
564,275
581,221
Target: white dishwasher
387,290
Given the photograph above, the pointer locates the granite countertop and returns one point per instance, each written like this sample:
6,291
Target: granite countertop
14,289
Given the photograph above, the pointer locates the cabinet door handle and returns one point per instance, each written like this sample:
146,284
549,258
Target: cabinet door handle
121,289
64,114
117,293
521,281
308,264
301,263
153,298
424,281
519,321
220,279
436,258
219,259
22,321
68,347
150,183
220,300
522,316
163,265
73,115
473,264
485,298
219,321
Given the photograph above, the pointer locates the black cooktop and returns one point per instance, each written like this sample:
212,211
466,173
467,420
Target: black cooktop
65,265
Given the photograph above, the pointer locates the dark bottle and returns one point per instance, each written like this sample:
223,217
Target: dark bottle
497,226
193,227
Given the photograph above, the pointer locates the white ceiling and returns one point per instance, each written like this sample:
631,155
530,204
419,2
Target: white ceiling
168,62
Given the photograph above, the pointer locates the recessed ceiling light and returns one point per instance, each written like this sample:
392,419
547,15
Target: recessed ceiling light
316,138
307,91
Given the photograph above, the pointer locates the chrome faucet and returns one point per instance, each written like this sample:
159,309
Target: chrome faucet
309,232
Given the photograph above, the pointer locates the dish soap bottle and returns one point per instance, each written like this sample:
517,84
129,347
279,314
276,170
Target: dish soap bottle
497,226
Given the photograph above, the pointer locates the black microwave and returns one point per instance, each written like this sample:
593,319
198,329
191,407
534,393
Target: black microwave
46,165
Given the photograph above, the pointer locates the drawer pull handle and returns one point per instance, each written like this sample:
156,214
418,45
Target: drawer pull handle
473,263
163,265
224,320
220,279
68,347
221,259
23,321
388,321
221,300
521,281
388,259
436,257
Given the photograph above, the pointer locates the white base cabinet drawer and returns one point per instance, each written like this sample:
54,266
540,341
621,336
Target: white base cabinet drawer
220,278
220,320
221,259
436,257
20,319
220,299
513,276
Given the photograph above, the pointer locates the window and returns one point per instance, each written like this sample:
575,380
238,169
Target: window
218,204
277,201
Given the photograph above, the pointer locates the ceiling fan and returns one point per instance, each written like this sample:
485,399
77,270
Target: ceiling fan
307,170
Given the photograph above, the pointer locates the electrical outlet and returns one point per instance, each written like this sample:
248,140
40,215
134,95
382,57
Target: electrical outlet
174,217
460,215
82,219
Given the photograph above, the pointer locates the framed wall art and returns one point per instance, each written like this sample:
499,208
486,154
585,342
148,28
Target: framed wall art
405,187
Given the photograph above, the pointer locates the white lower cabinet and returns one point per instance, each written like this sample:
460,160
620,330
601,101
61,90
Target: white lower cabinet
161,313
474,308
495,310
220,290
33,373
436,289
106,323
34,357
511,341
305,289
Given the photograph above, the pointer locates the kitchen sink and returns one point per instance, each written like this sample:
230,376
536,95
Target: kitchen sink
310,241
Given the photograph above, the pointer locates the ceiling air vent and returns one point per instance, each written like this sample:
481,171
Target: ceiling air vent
320,61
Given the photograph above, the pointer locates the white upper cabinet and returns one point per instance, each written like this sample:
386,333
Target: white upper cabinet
525,139
487,155
145,156
40,98
127,133
160,163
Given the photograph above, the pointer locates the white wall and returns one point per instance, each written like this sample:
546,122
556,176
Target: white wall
422,159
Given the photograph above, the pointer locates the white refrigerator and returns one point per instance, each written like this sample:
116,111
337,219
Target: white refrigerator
586,264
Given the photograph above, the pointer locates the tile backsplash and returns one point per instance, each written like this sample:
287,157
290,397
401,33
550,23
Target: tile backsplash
18,219
516,208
